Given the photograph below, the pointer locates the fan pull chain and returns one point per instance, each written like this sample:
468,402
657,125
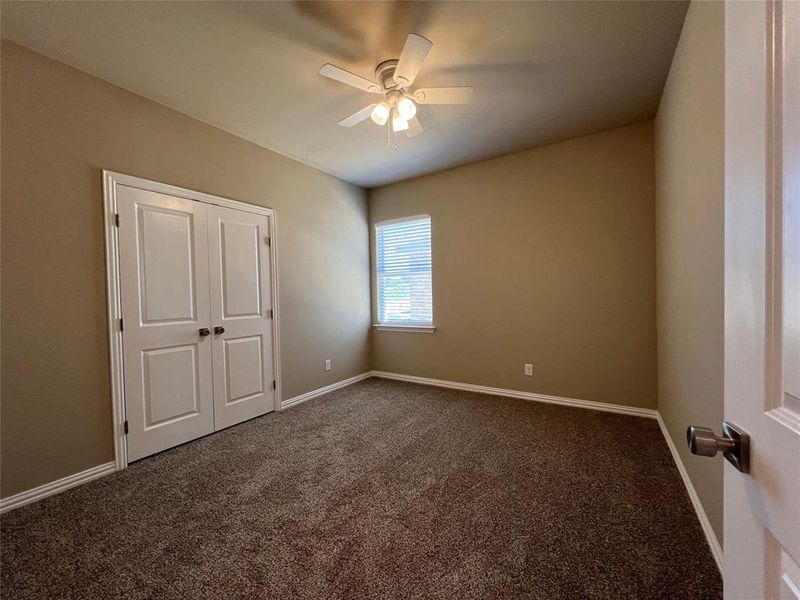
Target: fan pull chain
391,134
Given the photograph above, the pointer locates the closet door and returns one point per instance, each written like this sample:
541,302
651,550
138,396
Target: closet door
166,343
241,315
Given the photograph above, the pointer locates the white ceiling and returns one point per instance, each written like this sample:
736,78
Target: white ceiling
541,71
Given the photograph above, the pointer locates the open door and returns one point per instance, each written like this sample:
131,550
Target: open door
762,297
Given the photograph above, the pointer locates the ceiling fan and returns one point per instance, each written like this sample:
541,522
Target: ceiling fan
393,80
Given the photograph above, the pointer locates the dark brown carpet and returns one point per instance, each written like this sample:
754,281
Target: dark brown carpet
380,490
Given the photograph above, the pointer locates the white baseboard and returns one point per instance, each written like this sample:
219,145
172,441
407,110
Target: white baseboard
324,390
55,487
711,537
482,389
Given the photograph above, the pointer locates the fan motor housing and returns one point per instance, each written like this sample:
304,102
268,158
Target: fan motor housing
384,74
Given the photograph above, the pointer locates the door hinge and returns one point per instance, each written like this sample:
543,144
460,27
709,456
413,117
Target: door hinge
116,219
125,427
268,240
269,313
274,385
122,324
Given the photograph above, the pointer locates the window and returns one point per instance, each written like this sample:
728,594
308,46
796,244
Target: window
403,273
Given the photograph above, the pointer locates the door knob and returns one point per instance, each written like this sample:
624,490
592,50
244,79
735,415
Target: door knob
204,331
734,444
219,330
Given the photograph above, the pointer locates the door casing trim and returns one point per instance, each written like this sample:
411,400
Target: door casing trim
111,180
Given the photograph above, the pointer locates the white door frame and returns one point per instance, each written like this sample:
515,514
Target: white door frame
110,181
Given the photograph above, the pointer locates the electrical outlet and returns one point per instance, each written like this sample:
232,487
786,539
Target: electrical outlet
529,370
328,364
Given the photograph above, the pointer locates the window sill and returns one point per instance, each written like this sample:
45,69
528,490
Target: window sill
405,328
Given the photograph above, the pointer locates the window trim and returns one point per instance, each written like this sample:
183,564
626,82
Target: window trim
409,327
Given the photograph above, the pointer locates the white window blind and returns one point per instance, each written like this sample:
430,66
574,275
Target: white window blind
403,264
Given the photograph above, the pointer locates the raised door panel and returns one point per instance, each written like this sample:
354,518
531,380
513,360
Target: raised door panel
164,291
240,281
170,382
244,368
167,265
241,269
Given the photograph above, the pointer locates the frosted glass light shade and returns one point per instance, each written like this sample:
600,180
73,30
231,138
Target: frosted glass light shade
406,108
380,113
398,122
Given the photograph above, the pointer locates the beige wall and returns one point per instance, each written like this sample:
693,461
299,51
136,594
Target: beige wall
60,127
689,243
545,256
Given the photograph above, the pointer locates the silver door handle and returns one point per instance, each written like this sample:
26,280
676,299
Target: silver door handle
734,444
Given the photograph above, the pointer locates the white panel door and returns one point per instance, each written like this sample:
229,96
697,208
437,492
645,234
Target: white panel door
241,315
163,255
762,297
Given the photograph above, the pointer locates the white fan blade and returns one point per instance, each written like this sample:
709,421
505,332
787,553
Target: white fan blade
329,70
414,52
414,127
444,95
357,117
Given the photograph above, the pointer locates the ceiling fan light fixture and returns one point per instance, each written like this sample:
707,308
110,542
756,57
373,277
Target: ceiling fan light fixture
393,80
380,113
406,108
398,122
